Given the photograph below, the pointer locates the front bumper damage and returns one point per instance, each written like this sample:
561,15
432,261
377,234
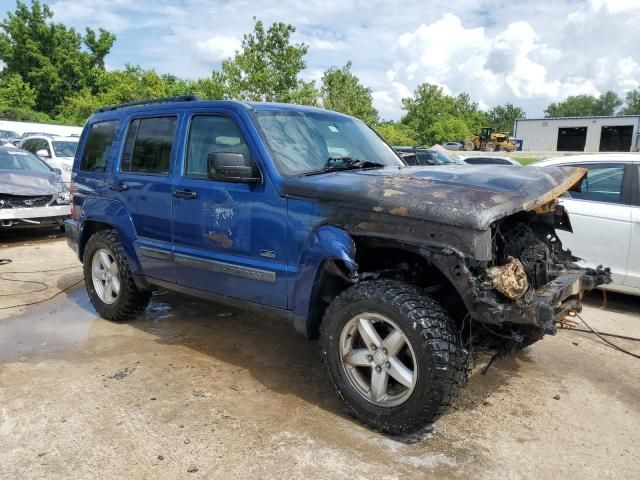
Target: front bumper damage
51,215
544,307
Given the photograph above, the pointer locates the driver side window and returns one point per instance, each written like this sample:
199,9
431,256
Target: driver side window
213,134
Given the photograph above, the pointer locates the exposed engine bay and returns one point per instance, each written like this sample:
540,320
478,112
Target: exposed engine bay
532,283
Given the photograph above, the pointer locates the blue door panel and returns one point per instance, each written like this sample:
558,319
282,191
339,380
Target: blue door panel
230,238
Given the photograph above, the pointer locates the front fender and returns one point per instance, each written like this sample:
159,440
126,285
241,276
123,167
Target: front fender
325,243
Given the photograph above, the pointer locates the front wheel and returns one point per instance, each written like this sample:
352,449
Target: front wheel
393,355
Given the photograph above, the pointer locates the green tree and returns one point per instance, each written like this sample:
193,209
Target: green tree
99,45
632,103
267,66
449,128
396,134
15,92
342,91
503,117
429,105
584,106
54,59
119,86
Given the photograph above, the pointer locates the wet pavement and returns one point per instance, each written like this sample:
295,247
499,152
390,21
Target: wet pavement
193,389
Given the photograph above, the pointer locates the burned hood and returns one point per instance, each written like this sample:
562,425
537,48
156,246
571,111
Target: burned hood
16,182
468,196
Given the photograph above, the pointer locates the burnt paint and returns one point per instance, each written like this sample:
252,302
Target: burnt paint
466,196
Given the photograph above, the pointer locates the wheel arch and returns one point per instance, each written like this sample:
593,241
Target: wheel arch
100,214
337,260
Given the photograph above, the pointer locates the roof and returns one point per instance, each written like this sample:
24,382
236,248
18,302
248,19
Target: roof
591,158
195,103
574,118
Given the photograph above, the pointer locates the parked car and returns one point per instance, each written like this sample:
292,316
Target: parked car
605,215
57,151
424,156
7,136
31,192
454,146
488,160
248,204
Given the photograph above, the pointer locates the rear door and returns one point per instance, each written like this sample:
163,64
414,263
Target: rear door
142,182
600,215
229,238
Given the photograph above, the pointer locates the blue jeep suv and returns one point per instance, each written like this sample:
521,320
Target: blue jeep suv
310,215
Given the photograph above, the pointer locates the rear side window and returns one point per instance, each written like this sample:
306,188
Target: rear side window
148,145
603,183
487,161
98,145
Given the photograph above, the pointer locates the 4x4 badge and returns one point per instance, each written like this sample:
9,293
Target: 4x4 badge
268,253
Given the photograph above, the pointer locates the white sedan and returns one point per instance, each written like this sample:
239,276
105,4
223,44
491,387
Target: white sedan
605,215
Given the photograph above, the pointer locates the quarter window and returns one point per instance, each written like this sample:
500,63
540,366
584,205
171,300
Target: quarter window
213,134
148,145
98,145
603,183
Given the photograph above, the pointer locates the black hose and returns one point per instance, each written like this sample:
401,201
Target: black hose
611,344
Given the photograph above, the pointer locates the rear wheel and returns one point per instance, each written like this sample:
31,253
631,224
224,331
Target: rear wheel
469,146
108,278
393,355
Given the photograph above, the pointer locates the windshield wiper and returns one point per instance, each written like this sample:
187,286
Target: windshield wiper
347,163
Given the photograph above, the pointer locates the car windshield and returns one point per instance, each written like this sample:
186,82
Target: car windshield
441,158
64,148
11,159
304,142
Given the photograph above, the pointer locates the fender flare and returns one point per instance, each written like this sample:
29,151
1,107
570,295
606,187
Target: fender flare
112,213
325,243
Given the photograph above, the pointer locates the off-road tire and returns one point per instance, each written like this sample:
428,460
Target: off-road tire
440,356
490,147
130,301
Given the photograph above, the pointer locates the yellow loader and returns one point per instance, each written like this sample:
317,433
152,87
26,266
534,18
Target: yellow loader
490,141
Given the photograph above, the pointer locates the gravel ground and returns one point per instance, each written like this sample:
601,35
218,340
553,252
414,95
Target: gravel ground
197,390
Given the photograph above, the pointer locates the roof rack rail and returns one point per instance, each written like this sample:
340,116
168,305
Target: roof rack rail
181,98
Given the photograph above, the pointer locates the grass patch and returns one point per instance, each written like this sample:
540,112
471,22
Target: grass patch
527,160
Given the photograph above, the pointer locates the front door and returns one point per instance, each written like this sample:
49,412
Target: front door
601,219
229,238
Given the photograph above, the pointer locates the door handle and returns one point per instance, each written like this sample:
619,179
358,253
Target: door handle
184,193
118,187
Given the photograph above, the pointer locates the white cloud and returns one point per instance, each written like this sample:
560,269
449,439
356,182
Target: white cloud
217,47
550,50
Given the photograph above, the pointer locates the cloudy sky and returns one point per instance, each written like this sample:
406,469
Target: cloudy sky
527,52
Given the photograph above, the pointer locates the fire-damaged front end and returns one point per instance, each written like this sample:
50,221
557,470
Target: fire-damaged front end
532,283
480,239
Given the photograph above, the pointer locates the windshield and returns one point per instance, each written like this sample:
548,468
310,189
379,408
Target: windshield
441,158
64,148
303,142
21,160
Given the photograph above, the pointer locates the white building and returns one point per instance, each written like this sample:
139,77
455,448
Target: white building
580,134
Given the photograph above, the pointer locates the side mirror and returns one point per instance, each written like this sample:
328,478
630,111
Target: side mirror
58,171
43,153
230,167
